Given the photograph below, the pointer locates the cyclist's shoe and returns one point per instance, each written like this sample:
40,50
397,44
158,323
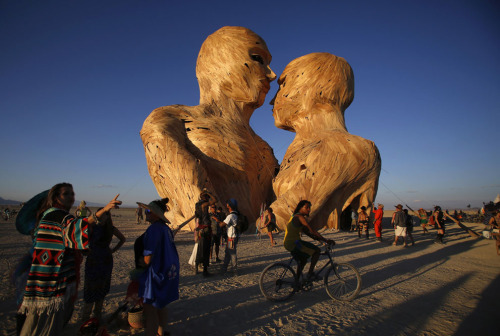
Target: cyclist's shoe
313,277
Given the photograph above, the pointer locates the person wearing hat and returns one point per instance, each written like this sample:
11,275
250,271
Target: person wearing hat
232,235
159,283
377,223
399,223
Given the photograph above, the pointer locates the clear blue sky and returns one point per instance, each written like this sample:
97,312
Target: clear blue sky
78,78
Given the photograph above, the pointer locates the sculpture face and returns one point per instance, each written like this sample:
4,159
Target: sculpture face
285,104
234,62
317,78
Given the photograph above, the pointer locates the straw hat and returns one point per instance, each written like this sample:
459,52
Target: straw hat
380,205
155,208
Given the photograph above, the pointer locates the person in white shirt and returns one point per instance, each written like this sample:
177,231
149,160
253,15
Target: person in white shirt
232,235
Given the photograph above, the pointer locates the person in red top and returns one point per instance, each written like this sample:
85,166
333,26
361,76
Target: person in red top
377,224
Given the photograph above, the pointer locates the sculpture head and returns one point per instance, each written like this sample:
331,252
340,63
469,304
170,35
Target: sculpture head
234,63
312,80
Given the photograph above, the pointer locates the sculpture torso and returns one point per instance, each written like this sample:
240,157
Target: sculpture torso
330,168
190,148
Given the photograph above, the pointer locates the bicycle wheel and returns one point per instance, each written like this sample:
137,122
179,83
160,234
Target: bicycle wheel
343,282
277,282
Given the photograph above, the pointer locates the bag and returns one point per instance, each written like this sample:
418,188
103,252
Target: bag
192,260
400,219
241,223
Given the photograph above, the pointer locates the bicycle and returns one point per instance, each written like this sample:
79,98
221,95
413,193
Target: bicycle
279,282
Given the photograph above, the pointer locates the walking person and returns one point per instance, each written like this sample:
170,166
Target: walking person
51,289
159,283
270,224
439,220
399,223
99,266
377,223
363,222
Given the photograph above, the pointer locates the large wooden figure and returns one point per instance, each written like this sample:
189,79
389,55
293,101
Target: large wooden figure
324,164
189,148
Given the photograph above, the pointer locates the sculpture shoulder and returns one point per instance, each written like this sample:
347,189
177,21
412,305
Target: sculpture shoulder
168,120
168,114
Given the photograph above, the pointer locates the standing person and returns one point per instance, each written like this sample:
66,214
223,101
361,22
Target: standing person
138,215
422,215
230,223
302,250
354,220
494,224
159,283
221,214
409,226
82,210
270,224
204,229
377,223
439,220
399,223
216,234
99,266
363,221
51,289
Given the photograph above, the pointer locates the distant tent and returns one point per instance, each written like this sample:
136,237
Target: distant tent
497,200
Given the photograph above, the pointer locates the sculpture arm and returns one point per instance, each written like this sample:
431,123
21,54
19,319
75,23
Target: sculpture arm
167,148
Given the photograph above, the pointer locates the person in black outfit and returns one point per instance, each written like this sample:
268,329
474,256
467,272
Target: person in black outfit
204,229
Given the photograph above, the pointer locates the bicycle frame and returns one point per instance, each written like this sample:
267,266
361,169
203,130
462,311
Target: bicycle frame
330,262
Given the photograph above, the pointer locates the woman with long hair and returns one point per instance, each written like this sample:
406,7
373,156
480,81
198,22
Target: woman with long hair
302,250
51,289
270,224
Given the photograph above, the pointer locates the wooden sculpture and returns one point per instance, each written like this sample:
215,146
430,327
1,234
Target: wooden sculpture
189,148
324,164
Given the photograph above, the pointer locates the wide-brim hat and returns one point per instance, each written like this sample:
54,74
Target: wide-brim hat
399,206
380,205
154,208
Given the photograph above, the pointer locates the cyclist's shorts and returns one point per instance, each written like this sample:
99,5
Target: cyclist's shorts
304,250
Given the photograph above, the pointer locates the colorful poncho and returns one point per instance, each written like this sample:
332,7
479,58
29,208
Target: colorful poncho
53,264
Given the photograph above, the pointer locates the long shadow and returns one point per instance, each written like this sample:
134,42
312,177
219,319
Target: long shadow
407,318
484,319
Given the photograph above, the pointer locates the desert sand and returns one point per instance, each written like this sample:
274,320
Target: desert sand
427,289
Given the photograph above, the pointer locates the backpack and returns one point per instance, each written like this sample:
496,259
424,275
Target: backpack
400,219
241,223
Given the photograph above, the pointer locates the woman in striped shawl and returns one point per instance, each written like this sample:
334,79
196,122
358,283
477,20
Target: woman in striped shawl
52,281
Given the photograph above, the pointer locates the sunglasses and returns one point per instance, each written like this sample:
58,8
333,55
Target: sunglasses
148,211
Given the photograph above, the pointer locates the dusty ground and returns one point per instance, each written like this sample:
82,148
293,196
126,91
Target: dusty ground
427,289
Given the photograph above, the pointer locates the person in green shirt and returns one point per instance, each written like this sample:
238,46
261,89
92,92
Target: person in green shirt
300,249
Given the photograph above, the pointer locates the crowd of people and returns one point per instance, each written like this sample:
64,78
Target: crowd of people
60,239
402,222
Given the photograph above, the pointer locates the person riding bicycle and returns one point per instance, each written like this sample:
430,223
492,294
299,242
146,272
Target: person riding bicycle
302,250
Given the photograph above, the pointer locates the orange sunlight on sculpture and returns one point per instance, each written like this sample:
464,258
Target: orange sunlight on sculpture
324,164
212,145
